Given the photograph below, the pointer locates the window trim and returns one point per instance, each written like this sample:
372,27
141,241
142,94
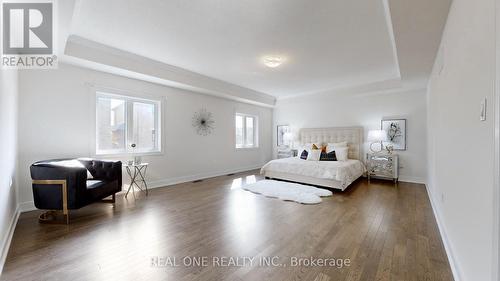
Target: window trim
255,131
129,99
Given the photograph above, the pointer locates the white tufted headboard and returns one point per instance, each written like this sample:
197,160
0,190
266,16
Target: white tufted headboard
353,136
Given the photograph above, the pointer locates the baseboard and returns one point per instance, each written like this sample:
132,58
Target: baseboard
26,206
178,180
412,179
8,239
457,274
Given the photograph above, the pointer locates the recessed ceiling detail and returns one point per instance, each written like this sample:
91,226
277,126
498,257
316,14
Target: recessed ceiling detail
90,54
216,46
333,43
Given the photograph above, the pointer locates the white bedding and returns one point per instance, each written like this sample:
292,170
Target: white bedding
343,171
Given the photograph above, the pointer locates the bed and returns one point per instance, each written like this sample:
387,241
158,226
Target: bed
332,174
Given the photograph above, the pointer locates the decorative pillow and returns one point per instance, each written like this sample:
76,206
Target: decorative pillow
314,146
332,145
303,155
342,153
331,156
306,147
309,145
314,155
89,175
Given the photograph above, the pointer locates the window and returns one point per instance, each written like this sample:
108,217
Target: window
246,131
126,125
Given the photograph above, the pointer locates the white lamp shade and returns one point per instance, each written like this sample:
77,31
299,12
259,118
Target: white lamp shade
377,135
287,138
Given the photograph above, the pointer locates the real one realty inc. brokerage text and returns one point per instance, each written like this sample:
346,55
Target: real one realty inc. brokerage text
242,261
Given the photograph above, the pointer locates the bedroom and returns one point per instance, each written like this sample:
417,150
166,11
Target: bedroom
207,140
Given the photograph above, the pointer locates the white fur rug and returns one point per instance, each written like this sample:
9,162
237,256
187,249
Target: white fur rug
287,191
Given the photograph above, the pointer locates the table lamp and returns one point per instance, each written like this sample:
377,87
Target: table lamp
377,136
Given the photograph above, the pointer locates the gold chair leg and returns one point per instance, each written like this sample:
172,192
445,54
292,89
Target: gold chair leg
43,218
51,217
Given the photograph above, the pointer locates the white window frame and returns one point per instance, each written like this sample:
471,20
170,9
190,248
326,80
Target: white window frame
129,102
255,131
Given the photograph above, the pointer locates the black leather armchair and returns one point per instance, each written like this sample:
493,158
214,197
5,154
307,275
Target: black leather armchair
63,184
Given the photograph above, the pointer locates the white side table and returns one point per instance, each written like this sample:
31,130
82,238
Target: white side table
137,173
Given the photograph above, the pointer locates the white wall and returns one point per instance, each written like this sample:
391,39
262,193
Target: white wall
8,150
461,148
55,121
367,111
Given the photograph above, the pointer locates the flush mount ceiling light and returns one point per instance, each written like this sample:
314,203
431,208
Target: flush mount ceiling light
273,61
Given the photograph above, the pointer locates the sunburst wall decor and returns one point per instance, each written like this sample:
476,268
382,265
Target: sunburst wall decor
203,122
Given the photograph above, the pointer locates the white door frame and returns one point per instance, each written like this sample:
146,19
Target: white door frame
496,187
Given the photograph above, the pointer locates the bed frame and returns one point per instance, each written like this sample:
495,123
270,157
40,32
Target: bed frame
354,138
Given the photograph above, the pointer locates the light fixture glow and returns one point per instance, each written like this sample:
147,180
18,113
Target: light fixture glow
273,61
377,137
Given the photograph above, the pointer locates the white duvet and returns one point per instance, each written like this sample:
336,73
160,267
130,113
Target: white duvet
343,171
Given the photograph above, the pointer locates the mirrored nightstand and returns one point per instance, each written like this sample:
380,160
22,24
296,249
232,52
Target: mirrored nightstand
383,166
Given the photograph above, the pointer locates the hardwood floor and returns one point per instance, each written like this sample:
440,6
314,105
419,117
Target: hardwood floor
386,233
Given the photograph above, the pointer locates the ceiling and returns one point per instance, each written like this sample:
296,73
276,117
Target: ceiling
328,44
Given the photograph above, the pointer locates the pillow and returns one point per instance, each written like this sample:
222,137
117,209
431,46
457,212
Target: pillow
309,146
342,153
306,147
89,175
331,156
314,155
303,155
332,145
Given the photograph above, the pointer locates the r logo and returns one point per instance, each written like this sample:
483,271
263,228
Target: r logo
27,28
